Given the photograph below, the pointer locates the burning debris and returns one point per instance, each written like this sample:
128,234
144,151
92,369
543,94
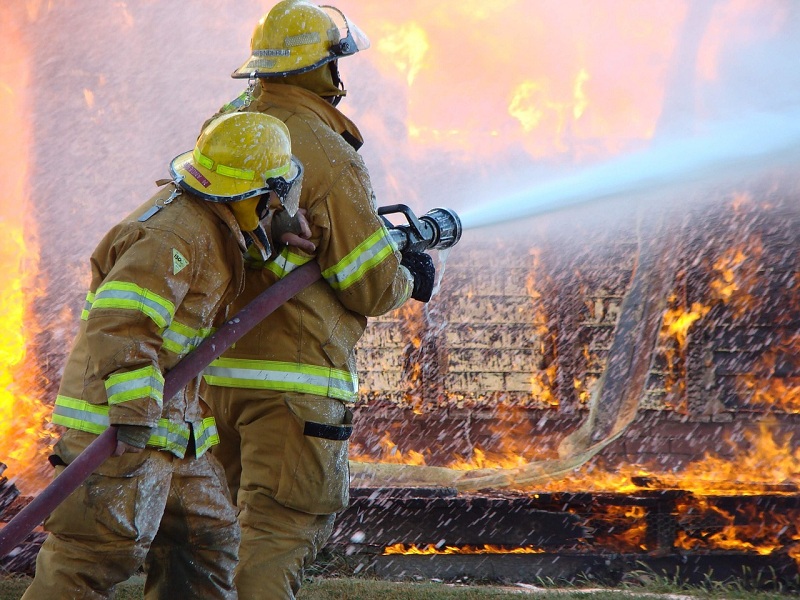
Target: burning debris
23,558
705,465
706,349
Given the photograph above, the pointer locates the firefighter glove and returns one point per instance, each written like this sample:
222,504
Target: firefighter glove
134,435
283,223
421,267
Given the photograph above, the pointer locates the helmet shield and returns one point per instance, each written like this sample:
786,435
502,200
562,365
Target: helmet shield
288,187
351,38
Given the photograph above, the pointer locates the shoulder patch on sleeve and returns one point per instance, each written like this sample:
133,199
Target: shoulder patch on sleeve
179,262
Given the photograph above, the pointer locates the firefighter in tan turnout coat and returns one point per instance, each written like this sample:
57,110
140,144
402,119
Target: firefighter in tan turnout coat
281,396
161,280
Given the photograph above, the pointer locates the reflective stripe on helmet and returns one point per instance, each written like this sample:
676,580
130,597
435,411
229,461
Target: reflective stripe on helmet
282,376
234,173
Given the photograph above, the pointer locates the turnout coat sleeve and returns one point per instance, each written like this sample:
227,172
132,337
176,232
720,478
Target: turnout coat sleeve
159,286
133,301
354,250
356,254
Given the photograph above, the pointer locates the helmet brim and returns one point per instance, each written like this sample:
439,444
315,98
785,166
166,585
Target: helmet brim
210,185
257,66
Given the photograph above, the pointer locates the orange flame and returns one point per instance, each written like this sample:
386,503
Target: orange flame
431,549
519,91
391,454
23,430
738,271
677,322
623,527
707,526
542,379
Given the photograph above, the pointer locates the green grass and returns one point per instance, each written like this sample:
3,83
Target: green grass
337,577
12,588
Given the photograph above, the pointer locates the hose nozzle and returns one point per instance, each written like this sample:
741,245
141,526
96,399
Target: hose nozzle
439,228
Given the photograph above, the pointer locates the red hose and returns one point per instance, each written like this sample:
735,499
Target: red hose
175,380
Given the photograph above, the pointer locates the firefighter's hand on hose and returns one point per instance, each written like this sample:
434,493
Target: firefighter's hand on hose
292,231
421,267
131,438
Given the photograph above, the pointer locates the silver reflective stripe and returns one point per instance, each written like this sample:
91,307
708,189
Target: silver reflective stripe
273,375
206,435
87,306
170,436
369,253
286,262
176,342
182,339
167,435
79,414
124,295
146,382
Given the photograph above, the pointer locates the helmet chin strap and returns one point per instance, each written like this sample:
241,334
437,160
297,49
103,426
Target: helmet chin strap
337,81
258,242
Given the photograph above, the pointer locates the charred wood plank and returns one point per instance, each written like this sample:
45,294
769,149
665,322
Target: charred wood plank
387,518
8,494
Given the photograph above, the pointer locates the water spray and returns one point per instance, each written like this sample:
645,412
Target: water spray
733,148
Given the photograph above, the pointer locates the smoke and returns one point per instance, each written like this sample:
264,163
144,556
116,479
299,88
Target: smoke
730,109
551,98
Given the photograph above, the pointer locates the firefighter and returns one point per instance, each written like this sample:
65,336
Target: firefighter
283,395
161,280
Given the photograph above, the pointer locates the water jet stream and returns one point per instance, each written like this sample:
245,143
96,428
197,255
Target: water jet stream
724,150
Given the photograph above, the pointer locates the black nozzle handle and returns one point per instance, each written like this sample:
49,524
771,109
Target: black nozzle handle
439,228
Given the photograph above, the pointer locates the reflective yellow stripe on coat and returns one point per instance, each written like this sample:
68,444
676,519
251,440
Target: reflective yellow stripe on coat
129,296
286,262
147,382
177,337
364,257
173,437
282,376
350,269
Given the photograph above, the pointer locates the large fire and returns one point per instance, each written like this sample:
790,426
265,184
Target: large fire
539,76
452,97
23,412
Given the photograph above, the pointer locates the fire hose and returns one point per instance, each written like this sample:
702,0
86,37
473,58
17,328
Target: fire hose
440,228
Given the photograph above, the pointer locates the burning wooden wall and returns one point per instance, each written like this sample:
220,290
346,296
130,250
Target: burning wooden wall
503,361
703,485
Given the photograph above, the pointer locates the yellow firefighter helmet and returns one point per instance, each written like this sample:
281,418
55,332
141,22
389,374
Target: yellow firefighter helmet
239,158
297,36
